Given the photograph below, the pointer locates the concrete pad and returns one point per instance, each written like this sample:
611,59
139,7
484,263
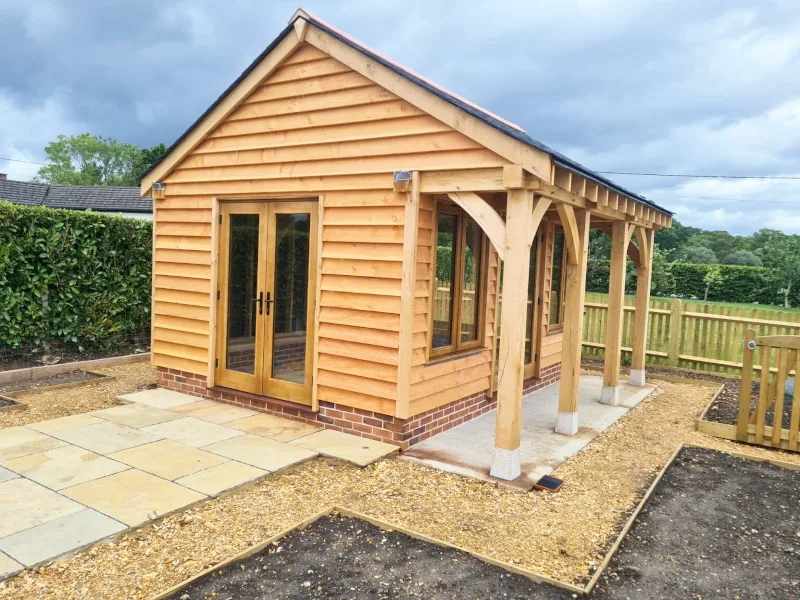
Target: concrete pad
469,448
8,566
70,422
261,452
223,477
136,415
214,412
133,497
64,467
5,475
106,437
344,446
70,533
21,441
25,504
192,432
274,427
159,398
167,459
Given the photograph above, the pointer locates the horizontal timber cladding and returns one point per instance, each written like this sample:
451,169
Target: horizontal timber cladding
315,127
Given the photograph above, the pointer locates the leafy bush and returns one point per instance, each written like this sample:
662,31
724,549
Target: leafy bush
79,278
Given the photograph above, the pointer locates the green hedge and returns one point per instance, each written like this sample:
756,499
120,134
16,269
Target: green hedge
78,278
739,283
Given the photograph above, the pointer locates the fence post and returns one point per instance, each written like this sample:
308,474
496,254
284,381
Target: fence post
674,333
746,386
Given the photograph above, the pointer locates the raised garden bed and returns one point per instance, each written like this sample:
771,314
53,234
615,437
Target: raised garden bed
68,379
7,403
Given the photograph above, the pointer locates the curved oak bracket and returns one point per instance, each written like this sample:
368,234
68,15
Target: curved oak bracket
485,216
567,215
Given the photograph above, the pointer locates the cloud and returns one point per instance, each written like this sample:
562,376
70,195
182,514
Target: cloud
619,85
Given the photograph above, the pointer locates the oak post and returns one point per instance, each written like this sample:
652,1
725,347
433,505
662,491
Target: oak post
642,310
620,237
519,210
407,289
574,293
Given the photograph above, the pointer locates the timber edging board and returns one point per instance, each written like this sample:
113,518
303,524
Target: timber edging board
99,378
33,373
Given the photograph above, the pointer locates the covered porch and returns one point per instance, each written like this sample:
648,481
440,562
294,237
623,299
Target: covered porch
513,206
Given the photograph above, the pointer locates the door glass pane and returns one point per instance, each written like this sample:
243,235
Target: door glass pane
242,282
556,299
290,307
445,276
470,293
529,311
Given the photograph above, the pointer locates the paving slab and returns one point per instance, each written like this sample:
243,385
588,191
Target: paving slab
261,452
223,477
273,427
25,504
344,446
159,398
8,566
106,437
5,475
214,412
136,415
61,423
52,539
133,497
64,467
193,432
167,459
20,441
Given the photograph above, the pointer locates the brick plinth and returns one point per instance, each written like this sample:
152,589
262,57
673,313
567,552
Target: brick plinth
375,426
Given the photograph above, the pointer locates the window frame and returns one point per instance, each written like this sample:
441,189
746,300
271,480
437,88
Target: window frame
457,346
559,325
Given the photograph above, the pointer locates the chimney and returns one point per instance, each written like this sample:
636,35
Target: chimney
3,177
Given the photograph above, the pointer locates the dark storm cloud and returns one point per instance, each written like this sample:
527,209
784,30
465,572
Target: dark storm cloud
619,85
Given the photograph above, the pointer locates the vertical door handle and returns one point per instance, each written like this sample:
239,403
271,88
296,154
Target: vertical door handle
268,302
260,301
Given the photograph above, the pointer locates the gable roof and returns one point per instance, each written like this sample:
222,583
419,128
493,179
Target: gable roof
506,127
99,199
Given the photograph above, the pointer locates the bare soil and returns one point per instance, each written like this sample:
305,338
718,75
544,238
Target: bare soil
717,526
348,558
60,379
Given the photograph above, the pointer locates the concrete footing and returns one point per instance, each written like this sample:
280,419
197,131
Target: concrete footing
567,423
637,377
610,395
506,464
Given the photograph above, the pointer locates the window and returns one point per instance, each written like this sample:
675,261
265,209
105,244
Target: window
557,283
459,279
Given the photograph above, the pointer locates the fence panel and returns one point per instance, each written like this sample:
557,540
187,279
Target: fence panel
688,334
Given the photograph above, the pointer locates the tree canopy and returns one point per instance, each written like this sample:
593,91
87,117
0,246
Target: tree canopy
92,160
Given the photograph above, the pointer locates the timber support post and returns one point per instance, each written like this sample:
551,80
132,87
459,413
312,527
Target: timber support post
620,238
519,212
574,293
645,238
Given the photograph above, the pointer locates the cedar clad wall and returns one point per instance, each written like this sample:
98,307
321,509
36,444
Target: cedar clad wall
317,127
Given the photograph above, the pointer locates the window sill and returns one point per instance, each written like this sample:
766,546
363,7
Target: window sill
436,360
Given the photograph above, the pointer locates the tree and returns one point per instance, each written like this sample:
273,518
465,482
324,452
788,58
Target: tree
782,254
743,257
91,160
662,281
713,278
698,255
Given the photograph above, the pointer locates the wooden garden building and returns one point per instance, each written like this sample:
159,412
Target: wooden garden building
328,244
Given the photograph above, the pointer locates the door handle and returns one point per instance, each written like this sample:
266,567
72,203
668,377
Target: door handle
260,301
268,302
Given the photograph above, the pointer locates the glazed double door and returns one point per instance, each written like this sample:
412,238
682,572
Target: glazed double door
265,298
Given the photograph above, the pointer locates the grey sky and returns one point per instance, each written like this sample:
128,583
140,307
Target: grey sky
676,86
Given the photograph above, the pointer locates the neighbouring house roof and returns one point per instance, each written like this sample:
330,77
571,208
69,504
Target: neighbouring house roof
99,199
498,123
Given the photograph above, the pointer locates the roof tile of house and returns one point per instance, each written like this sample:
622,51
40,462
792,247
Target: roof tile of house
100,199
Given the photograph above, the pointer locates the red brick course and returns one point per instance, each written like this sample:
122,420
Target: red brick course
375,426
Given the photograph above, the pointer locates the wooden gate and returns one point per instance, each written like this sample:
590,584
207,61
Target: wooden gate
777,358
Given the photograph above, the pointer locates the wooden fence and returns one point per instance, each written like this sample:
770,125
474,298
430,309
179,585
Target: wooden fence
688,334
784,428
